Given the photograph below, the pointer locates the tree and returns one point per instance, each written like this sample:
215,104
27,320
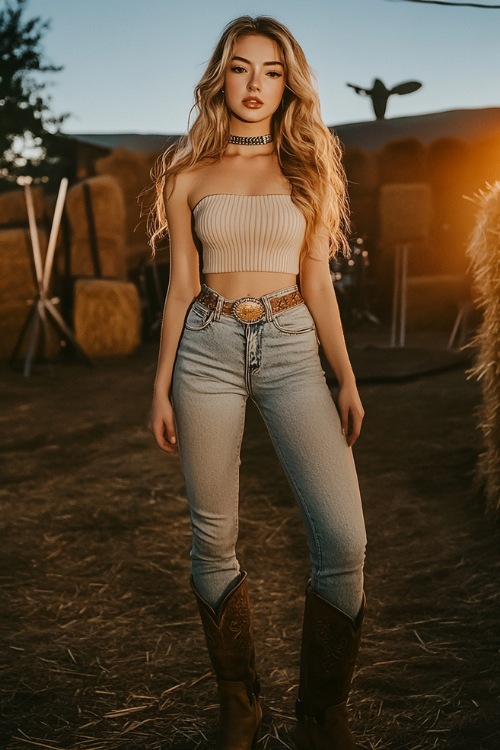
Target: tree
27,126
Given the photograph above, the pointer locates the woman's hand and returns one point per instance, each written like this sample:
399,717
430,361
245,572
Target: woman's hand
162,425
319,295
351,412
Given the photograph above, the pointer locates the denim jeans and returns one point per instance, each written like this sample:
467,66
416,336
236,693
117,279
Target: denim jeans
221,362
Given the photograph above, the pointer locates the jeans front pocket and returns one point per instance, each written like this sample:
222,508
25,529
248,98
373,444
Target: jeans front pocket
294,321
198,317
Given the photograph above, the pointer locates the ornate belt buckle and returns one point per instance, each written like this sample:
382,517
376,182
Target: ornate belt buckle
249,310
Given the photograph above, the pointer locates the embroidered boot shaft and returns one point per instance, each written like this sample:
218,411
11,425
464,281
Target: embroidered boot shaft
229,637
330,644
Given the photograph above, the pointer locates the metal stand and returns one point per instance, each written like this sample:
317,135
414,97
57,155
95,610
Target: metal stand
400,295
459,332
43,307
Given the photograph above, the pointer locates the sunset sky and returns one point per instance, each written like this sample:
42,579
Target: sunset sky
131,65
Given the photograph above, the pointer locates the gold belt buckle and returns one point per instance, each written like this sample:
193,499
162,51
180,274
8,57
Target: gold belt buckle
248,310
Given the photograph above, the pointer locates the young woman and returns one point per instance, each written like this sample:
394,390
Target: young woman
257,190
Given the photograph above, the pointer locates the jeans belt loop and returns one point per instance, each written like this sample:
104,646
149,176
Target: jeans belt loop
269,311
218,307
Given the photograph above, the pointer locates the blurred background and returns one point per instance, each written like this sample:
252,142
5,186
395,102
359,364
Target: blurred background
94,92
102,647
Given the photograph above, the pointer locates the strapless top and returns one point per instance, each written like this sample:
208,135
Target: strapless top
249,232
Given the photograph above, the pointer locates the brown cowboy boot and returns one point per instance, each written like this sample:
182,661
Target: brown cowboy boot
228,633
330,644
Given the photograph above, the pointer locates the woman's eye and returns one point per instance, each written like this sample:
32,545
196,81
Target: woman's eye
274,74
238,69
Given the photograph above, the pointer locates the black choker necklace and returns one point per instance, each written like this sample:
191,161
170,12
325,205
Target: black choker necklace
250,140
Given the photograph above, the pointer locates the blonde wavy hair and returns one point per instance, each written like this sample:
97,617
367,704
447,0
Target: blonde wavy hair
309,156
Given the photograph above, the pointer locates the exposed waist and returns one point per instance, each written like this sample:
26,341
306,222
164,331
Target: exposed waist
236,284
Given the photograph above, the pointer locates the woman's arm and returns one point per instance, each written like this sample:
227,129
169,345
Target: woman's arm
184,285
319,295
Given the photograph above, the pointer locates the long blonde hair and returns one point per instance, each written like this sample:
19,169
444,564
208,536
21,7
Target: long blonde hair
308,154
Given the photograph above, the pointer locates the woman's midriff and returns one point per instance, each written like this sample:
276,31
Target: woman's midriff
235,285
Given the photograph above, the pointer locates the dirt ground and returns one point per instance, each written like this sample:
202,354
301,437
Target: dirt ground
100,641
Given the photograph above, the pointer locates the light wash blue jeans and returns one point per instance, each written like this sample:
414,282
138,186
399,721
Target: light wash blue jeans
220,363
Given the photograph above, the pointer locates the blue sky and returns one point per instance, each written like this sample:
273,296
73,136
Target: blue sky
131,65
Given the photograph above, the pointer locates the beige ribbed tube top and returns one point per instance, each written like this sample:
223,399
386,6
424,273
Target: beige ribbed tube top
249,232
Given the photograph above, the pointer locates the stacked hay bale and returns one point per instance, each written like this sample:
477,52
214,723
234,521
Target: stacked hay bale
131,170
107,310
13,209
107,317
109,220
405,213
450,179
362,177
403,161
453,169
484,254
485,161
17,287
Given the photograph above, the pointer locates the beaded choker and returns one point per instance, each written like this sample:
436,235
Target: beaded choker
250,140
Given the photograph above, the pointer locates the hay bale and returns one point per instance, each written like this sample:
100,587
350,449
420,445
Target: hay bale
449,164
107,201
405,213
107,317
361,168
16,278
450,180
404,217
112,259
485,162
403,161
484,254
12,316
109,219
17,289
362,177
13,206
131,170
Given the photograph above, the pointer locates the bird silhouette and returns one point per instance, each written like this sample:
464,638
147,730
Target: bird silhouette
379,94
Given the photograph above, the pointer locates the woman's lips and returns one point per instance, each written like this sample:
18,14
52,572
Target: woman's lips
252,103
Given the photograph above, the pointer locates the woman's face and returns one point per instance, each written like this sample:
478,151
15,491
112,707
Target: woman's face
254,81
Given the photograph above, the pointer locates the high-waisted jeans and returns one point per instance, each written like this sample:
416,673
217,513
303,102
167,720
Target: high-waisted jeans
220,363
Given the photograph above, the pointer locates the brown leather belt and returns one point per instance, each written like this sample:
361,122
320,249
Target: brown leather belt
250,309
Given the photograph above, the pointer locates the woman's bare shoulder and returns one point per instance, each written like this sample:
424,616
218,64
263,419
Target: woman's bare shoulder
186,183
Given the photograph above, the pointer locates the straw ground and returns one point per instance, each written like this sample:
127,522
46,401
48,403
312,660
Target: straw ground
101,645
